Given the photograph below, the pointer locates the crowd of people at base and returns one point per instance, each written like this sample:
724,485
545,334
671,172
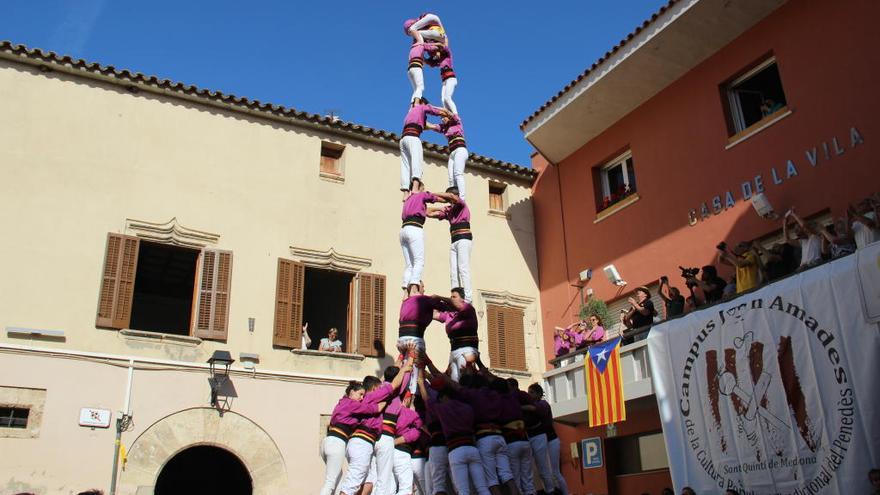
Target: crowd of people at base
480,435
805,244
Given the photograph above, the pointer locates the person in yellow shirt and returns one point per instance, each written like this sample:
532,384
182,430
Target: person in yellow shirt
747,262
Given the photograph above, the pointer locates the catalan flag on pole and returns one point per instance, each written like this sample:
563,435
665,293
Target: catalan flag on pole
605,384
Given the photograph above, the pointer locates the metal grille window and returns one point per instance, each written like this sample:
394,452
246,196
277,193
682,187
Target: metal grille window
14,417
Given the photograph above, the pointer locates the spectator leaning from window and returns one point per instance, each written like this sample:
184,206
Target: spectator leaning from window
806,237
837,240
710,283
769,107
864,217
672,298
640,315
745,259
330,343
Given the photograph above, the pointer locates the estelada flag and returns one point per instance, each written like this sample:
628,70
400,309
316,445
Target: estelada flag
605,384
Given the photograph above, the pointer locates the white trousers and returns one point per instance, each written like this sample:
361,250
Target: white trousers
455,165
553,448
410,160
458,361
460,266
446,90
417,79
384,466
359,453
419,467
402,343
412,242
403,472
467,470
542,461
521,464
438,461
496,462
333,454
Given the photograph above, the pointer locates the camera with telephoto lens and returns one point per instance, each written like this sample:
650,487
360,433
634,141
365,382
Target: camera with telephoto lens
689,272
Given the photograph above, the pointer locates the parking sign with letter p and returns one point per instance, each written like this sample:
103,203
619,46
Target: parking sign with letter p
592,452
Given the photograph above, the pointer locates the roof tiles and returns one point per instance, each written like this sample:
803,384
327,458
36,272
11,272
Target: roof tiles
244,103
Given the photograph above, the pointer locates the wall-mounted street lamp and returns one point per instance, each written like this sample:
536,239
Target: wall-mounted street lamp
220,362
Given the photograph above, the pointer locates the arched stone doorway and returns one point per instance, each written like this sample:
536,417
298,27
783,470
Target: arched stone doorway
176,433
204,469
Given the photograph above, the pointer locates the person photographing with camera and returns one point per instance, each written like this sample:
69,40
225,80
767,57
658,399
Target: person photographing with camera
745,258
709,283
639,316
672,298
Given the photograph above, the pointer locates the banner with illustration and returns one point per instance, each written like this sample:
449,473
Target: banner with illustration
776,391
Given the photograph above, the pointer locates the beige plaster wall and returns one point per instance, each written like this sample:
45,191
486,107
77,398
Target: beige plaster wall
79,157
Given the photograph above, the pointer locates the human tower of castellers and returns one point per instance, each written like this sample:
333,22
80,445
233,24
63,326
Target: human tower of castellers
418,426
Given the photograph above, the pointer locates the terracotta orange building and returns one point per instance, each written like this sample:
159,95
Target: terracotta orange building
655,154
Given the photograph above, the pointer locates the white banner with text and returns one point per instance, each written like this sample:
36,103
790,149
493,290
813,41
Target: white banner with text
776,391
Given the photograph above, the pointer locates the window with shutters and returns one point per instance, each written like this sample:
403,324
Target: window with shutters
164,288
326,305
331,160
353,304
497,201
506,337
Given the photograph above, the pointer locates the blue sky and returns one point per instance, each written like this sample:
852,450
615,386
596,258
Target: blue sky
347,57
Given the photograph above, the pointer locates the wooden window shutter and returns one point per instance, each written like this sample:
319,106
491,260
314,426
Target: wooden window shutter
289,304
212,308
371,315
515,339
117,281
506,337
495,316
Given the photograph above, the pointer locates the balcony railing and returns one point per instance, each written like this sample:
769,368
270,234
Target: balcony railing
566,386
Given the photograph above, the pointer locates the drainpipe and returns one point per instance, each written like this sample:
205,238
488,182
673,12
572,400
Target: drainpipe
123,420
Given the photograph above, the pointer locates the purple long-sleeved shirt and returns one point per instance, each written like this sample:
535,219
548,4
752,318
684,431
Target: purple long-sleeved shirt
456,213
456,417
416,313
546,415
380,394
486,404
409,425
416,205
414,122
461,327
349,412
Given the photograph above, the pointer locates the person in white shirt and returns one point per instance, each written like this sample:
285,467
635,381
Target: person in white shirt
330,343
863,221
806,236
